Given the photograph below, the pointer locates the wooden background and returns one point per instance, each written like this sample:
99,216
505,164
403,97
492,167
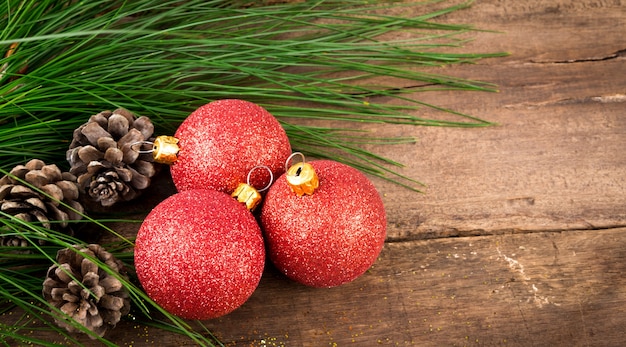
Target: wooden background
520,239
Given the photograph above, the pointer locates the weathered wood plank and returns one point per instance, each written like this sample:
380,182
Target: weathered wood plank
543,168
556,160
542,289
554,31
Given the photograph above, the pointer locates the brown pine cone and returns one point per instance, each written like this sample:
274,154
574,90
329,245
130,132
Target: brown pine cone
90,295
57,201
104,155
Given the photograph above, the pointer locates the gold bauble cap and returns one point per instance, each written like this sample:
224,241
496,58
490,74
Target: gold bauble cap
165,149
302,178
247,195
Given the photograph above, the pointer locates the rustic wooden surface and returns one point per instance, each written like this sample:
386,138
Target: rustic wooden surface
520,239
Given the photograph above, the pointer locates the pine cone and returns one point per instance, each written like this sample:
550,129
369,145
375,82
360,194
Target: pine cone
21,201
85,292
104,156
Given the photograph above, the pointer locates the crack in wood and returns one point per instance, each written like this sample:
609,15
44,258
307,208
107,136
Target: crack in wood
456,233
616,55
556,254
607,99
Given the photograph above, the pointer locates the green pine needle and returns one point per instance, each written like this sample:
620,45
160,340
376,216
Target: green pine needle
163,59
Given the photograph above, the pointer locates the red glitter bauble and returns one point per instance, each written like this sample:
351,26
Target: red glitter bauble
222,141
199,254
330,237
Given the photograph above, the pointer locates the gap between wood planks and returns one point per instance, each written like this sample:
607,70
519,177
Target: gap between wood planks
456,233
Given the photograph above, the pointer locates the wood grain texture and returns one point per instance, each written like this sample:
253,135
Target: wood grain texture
556,161
516,290
520,238
539,289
